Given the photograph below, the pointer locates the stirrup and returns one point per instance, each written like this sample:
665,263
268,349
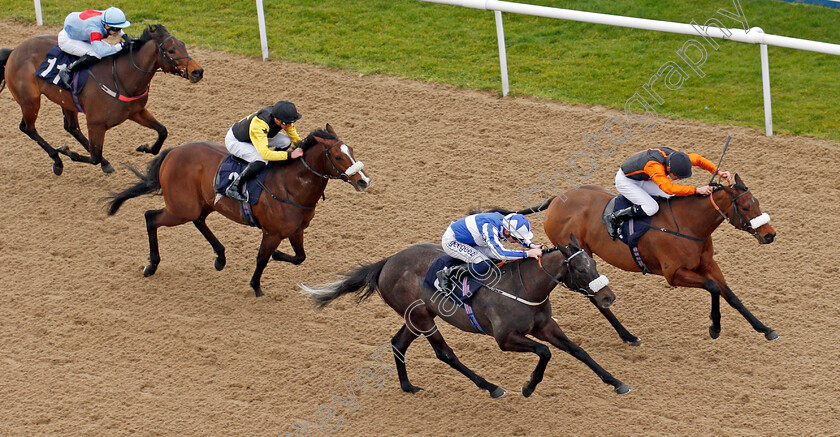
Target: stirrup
233,192
66,78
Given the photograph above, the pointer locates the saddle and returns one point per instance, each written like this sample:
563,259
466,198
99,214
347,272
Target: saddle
630,231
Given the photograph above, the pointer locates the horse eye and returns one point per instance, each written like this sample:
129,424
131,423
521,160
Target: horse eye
171,52
339,158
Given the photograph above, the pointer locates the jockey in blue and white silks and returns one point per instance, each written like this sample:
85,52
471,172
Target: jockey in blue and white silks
477,240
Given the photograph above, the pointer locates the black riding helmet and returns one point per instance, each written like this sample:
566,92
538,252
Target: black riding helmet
285,111
680,164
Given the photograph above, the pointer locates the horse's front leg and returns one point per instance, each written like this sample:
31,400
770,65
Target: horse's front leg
552,333
625,335
145,118
515,342
71,125
713,271
267,246
688,278
296,240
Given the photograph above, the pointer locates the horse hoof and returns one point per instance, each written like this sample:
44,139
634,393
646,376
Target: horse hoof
219,264
527,391
714,332
413,389
772,335
107,168
258,293
635,341
497,392
149,270
58,169
622,389
143,148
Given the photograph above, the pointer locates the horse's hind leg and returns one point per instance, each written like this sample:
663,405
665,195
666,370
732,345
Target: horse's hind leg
27,125
156,218
217,246
625,335
145,118
267,246
552,333
71,125
447,355
402,339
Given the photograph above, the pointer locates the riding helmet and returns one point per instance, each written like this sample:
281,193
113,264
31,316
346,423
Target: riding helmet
518,226
680,164
115,17
285,111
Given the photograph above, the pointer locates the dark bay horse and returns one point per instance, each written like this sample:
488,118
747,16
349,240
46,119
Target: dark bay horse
185,175
399,281
684,260
127,74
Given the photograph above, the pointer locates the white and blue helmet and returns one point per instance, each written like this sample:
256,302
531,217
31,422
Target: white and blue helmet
518,226
115,17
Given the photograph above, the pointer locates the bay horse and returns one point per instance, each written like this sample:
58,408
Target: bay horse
524,311
678,246
286,205
126,75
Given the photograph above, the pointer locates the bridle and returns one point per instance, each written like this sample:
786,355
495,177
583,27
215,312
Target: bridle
165,57
345,175
589,291
748,226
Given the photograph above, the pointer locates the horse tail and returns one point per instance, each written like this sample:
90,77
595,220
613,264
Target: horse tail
148,184
364,281
526,211
4,56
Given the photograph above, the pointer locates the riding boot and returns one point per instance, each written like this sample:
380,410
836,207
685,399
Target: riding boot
250,171
617,218
449,278
66,75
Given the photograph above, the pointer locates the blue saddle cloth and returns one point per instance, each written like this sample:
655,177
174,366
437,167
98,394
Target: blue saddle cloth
465,287
631,230
57,60
229,170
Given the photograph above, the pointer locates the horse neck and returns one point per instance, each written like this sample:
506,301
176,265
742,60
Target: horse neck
700,216
538,284
301,185
132,68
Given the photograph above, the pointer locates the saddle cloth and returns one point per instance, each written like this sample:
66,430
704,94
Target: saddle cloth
229,169
465,286
631,230
57,60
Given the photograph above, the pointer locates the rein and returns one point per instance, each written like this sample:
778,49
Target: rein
176,71
668,231
748,226
596,285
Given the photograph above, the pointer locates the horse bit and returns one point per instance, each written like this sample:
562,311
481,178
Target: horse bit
345,175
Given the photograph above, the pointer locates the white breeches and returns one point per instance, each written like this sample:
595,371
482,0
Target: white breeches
248,152
73,46
639,192
463,252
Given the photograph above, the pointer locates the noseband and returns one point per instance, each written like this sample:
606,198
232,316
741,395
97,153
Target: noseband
345,175
593,287
748,226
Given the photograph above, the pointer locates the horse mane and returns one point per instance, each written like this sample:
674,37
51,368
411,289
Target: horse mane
310,140
159,29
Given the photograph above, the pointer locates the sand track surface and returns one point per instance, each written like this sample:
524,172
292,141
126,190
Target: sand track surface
90,347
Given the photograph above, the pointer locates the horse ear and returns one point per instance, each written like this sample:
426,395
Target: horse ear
330,129
738,179
574,241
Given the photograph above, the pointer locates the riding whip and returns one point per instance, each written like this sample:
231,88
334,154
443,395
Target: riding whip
717,169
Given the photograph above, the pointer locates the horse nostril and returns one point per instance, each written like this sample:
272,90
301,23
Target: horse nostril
362,183
197,74
770,237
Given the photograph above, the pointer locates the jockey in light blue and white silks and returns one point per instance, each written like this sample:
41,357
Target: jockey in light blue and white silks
478,237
